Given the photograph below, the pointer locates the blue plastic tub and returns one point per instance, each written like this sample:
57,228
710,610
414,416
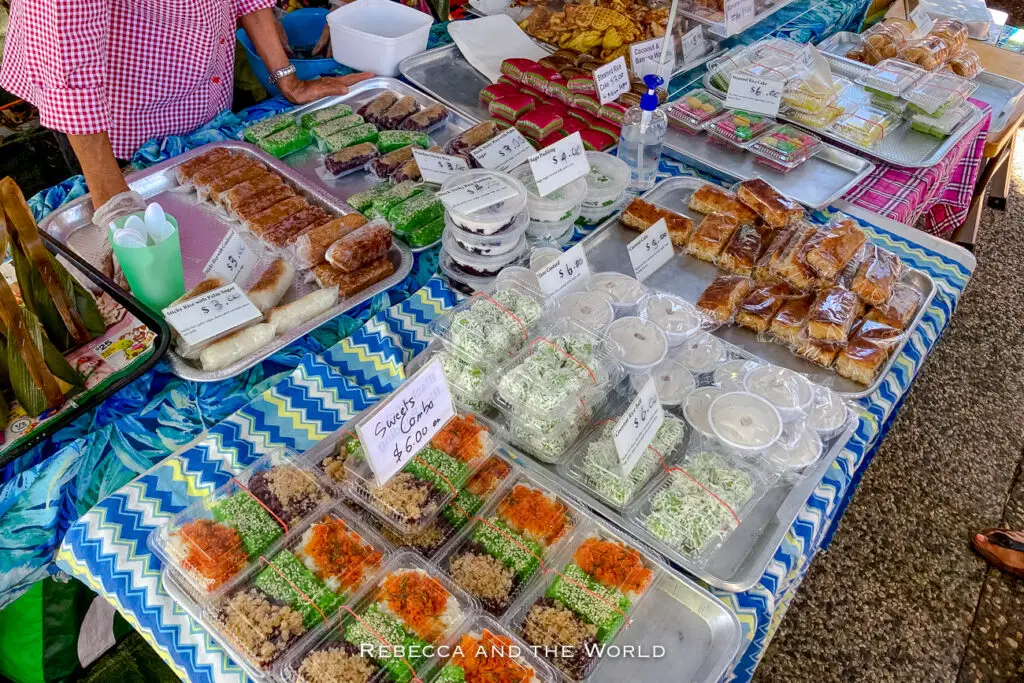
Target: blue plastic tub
303,27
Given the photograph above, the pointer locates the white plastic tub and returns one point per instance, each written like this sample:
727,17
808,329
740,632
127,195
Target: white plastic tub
375,35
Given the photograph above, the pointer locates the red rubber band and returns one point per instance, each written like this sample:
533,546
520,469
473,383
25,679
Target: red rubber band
568,355
297,589
526,333
694,480
415,678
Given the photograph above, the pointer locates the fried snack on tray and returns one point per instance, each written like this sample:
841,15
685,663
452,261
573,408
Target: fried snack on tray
641,215
776,210
723,295
714,199
352,283
187,169
744,250
834,247
761,304
791,318
792,267
768,265
711,236
877,275
867,351
899,309
602,29
833,314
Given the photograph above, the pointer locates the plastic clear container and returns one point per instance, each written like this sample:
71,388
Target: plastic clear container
929,52
697,406
503,550
296,589
822,119
891,78
897,107
700,353
594,310
809,96
555,207
606,181
542,256
547,439
797,449
594,215
676,316
775,66
468,382
672,381
520,275
500,242
732,374
478,264
639,344
553,230
940,126
222,536
488,328
744,422
375,35
692,110
489,219
461,279
415,496
866,126
738,127
482,637
625,291
938,93
412,604
792,394
692,509
953,31
594,463
784,147
599,581
828,414
778,47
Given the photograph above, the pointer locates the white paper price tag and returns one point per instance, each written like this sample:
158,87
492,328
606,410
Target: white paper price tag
923,22
694,44
436,167
559,164
233,260
505,151
394,434
611,80
739,15
650,250
758,95
208,316
646,56
635,430
565,271
474,195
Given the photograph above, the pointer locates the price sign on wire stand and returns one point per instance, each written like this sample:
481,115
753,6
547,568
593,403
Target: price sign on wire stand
754,94
210,315
505,151
437,168
635,430
650,250
404,424
233,260
559,164
564,272
475,195
612,80
645,57
739,15
694,44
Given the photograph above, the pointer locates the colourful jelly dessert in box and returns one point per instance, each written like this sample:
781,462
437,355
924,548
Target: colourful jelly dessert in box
485,657
785,147
693,110
739,127
504,551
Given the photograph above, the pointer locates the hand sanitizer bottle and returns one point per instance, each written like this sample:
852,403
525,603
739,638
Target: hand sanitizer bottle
643,134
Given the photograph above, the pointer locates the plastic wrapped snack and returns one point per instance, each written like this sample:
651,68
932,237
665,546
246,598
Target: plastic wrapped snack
866,126
426,119
967,64
891,78
759,307
676,317
267,127
722,68
350,159
929,52
247,190
641,215
792,266
723,295
834,247
710,198
822,119
832,315
941,126
325,130
488,220
310,247
867,351
792,318
487,653
768,266
415,212
204,177
324,115
953,31
710,237
938,93
252,171
403,108
363,201
737,127
390,140
393,196
348,284
355,135
691,111
790,393
899,309
784,147
810,96
877,275
285,141
506,545
774,208
472,138
287,230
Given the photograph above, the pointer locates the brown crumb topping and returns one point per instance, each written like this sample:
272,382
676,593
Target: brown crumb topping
293,487
405,495
483,576
334,467
556,626
335,666
262,629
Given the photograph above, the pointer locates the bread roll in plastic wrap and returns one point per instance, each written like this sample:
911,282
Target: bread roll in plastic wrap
360,247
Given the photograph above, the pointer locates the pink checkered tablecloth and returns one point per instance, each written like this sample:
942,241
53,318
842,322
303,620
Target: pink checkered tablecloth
940,194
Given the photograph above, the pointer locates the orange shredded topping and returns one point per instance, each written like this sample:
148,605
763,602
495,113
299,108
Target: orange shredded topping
340,553
613,565
486,480
532,512
486,660
461,438
418,600
214,550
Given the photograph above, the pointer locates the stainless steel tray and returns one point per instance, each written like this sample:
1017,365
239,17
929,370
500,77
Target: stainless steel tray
902,146
310,159
687,277
1003,94
817,182
202,226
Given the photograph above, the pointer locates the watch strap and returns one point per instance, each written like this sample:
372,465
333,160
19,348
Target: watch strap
276,76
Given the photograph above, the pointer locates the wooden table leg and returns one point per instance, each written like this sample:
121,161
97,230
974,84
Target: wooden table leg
1000,185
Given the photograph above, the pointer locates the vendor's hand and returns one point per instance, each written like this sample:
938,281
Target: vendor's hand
303,92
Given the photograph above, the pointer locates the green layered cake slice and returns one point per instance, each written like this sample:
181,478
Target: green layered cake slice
290,582
362,201
439,468
285,141
517,552
596,604
418,210
268,126
250,519
391,140
364,132
393,197
315,118
329,128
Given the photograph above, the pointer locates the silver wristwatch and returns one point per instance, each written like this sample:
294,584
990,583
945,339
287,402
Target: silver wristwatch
276,76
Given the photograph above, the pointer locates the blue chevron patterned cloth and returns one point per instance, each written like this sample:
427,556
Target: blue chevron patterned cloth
106,548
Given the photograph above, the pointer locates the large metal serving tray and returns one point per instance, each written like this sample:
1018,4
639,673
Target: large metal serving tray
1003,94
817,182
902,146
687,277
202,227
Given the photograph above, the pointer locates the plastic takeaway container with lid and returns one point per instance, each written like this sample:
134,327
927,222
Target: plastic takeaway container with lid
375,35
484,216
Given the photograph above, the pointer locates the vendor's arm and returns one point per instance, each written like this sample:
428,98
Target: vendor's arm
261,25
102,172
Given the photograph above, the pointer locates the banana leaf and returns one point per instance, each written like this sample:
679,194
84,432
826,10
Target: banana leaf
53,358
34,396
5,410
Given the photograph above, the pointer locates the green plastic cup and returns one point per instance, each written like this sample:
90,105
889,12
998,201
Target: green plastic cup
155,273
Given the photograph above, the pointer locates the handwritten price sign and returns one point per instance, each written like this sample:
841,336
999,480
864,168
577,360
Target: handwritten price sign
559,164
474,195
233,260
611,80
504,152
739,15
406,422
650,250
564,272
750,93
636,428
210,315
437,168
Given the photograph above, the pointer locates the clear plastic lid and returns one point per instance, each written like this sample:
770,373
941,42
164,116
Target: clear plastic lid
639,343
672,381
721,68
697,407
786,145
790,392
822,119
892,77
485,650
676,316
607,179
547,439
488,328
939,92
732,374
897,107
593,310
507,543
797,449
700,352
553,232
624,290
866,126
489,218
941,126
221,536
480,264
778,47
595,466
775,66
694,109
585,600
810,96
564,367
928,52
828,414
467,381
556,205
414,497
744,422
390,628
503,240
739,127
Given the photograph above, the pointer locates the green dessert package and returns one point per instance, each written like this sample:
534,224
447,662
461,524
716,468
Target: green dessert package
390,140
289,581
362,201
268,126
329,128
285,141
319,116
595,603
364,132
250,519
415,211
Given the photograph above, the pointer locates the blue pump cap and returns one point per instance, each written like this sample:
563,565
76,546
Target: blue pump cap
649,102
